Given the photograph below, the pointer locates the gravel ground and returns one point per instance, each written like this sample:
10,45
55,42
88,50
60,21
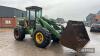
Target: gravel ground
10,47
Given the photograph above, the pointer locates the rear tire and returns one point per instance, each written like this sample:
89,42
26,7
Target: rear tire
46,38
19,33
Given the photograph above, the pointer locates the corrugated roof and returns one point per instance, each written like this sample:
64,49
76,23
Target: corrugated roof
11,8
11,12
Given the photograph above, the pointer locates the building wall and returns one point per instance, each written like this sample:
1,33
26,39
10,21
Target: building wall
93,18
90,19
8,22
0,22
8,16
97,18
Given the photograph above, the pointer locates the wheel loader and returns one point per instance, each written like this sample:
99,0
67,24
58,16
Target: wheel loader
43,30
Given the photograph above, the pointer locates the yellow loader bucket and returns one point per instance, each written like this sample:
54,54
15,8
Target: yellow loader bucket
74,35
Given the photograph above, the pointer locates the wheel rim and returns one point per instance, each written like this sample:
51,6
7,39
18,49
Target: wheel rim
39,37
16,34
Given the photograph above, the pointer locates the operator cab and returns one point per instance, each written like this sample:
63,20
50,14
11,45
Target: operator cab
33,12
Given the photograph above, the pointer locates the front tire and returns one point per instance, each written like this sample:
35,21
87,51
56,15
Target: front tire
42,38
19,33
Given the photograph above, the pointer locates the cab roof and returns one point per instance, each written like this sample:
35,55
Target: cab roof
33,8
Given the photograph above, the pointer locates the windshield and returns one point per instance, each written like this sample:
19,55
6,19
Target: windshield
31,14
39,13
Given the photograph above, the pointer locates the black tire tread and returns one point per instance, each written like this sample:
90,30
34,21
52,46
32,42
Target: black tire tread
22,33
47,37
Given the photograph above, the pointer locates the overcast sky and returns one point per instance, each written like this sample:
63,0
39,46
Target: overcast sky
67,9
